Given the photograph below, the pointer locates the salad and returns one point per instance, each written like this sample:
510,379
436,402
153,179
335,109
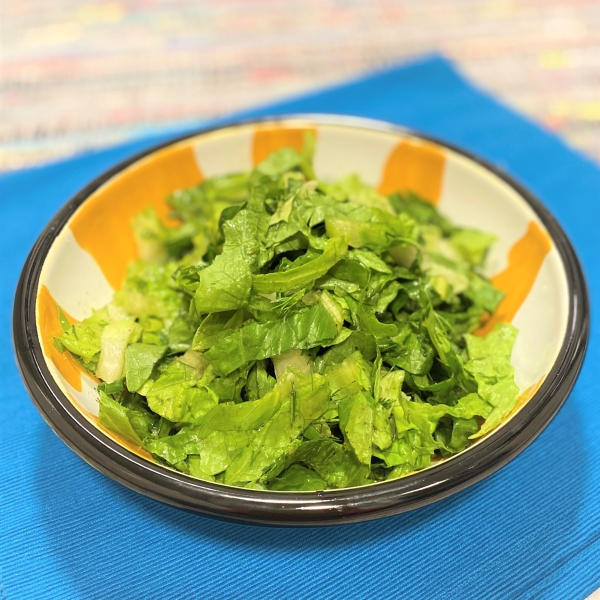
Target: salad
291,334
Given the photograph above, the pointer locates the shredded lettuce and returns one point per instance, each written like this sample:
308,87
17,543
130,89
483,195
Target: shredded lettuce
293,334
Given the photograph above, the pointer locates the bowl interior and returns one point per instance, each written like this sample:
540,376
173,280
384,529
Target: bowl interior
89,257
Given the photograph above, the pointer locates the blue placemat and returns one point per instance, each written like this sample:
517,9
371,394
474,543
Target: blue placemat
530,531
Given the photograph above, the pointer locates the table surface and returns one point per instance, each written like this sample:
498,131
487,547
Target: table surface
77,74
532,530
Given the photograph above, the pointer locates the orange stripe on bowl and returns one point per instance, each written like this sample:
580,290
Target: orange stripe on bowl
102,226
415,167
49,328
525,260
273,138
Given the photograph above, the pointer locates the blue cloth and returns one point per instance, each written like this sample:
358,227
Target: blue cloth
532,530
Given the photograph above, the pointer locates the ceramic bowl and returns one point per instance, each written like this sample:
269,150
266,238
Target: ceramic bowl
81,258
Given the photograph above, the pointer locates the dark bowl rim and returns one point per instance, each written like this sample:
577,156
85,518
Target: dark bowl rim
297,508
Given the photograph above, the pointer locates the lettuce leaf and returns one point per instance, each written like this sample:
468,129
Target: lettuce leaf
300,331
264,456
115,417
297,478
356,423
140,360
489,364
225,284
304,275
337,466
179,395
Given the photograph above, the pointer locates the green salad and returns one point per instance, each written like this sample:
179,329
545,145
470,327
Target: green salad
292,334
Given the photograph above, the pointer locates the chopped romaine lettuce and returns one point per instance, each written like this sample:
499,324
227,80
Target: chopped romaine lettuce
296,335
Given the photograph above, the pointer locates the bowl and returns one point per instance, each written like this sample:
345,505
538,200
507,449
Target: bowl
82,255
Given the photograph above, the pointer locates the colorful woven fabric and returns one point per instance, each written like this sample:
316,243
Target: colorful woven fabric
532,530
144,66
